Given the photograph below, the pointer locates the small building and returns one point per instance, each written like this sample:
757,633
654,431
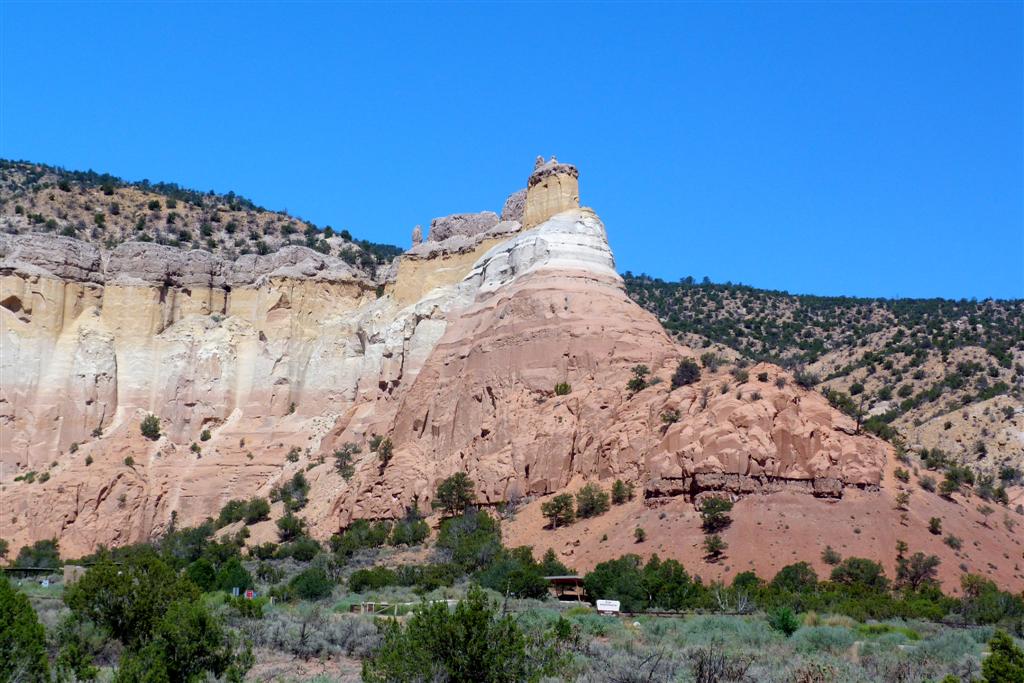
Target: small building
566,586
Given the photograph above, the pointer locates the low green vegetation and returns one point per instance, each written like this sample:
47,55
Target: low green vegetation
472,609
150,427
687,372
252,511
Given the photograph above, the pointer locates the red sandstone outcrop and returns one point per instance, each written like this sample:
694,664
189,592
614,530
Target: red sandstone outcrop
456,361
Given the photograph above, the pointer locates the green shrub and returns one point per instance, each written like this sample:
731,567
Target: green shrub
257,510
710,360
560,510
360,534
514,572
252,511
784,621
806,379
233,575
22,639
984,603
472,539
563,389
714,513
302,549
591,501
293,493
233,511
130,598
454,494
205,435
799,577
552,566
469,643
639,380
375,578
248,609
686,373
311,584
621,492
714,547
150,427
618,580
290,527
344,459
1006,661
917,571
41,554
263,551
203,574
859,572
412,530
188,644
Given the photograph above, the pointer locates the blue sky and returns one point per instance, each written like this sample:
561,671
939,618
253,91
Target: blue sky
868,149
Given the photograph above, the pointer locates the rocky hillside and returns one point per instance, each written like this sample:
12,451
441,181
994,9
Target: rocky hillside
931,373
143,385
107,211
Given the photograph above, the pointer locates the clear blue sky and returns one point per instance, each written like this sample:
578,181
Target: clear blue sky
870,149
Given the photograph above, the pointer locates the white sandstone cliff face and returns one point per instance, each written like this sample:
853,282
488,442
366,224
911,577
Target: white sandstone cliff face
88,346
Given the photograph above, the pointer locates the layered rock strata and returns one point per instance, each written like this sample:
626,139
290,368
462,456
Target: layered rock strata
294,354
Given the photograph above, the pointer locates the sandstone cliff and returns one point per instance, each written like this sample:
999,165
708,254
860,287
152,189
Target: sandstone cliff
455,360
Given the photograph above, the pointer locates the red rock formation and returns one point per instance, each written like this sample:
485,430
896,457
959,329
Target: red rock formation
458,369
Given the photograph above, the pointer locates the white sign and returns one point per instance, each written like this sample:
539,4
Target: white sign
607,605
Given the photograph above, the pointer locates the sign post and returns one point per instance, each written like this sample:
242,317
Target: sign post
608,606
